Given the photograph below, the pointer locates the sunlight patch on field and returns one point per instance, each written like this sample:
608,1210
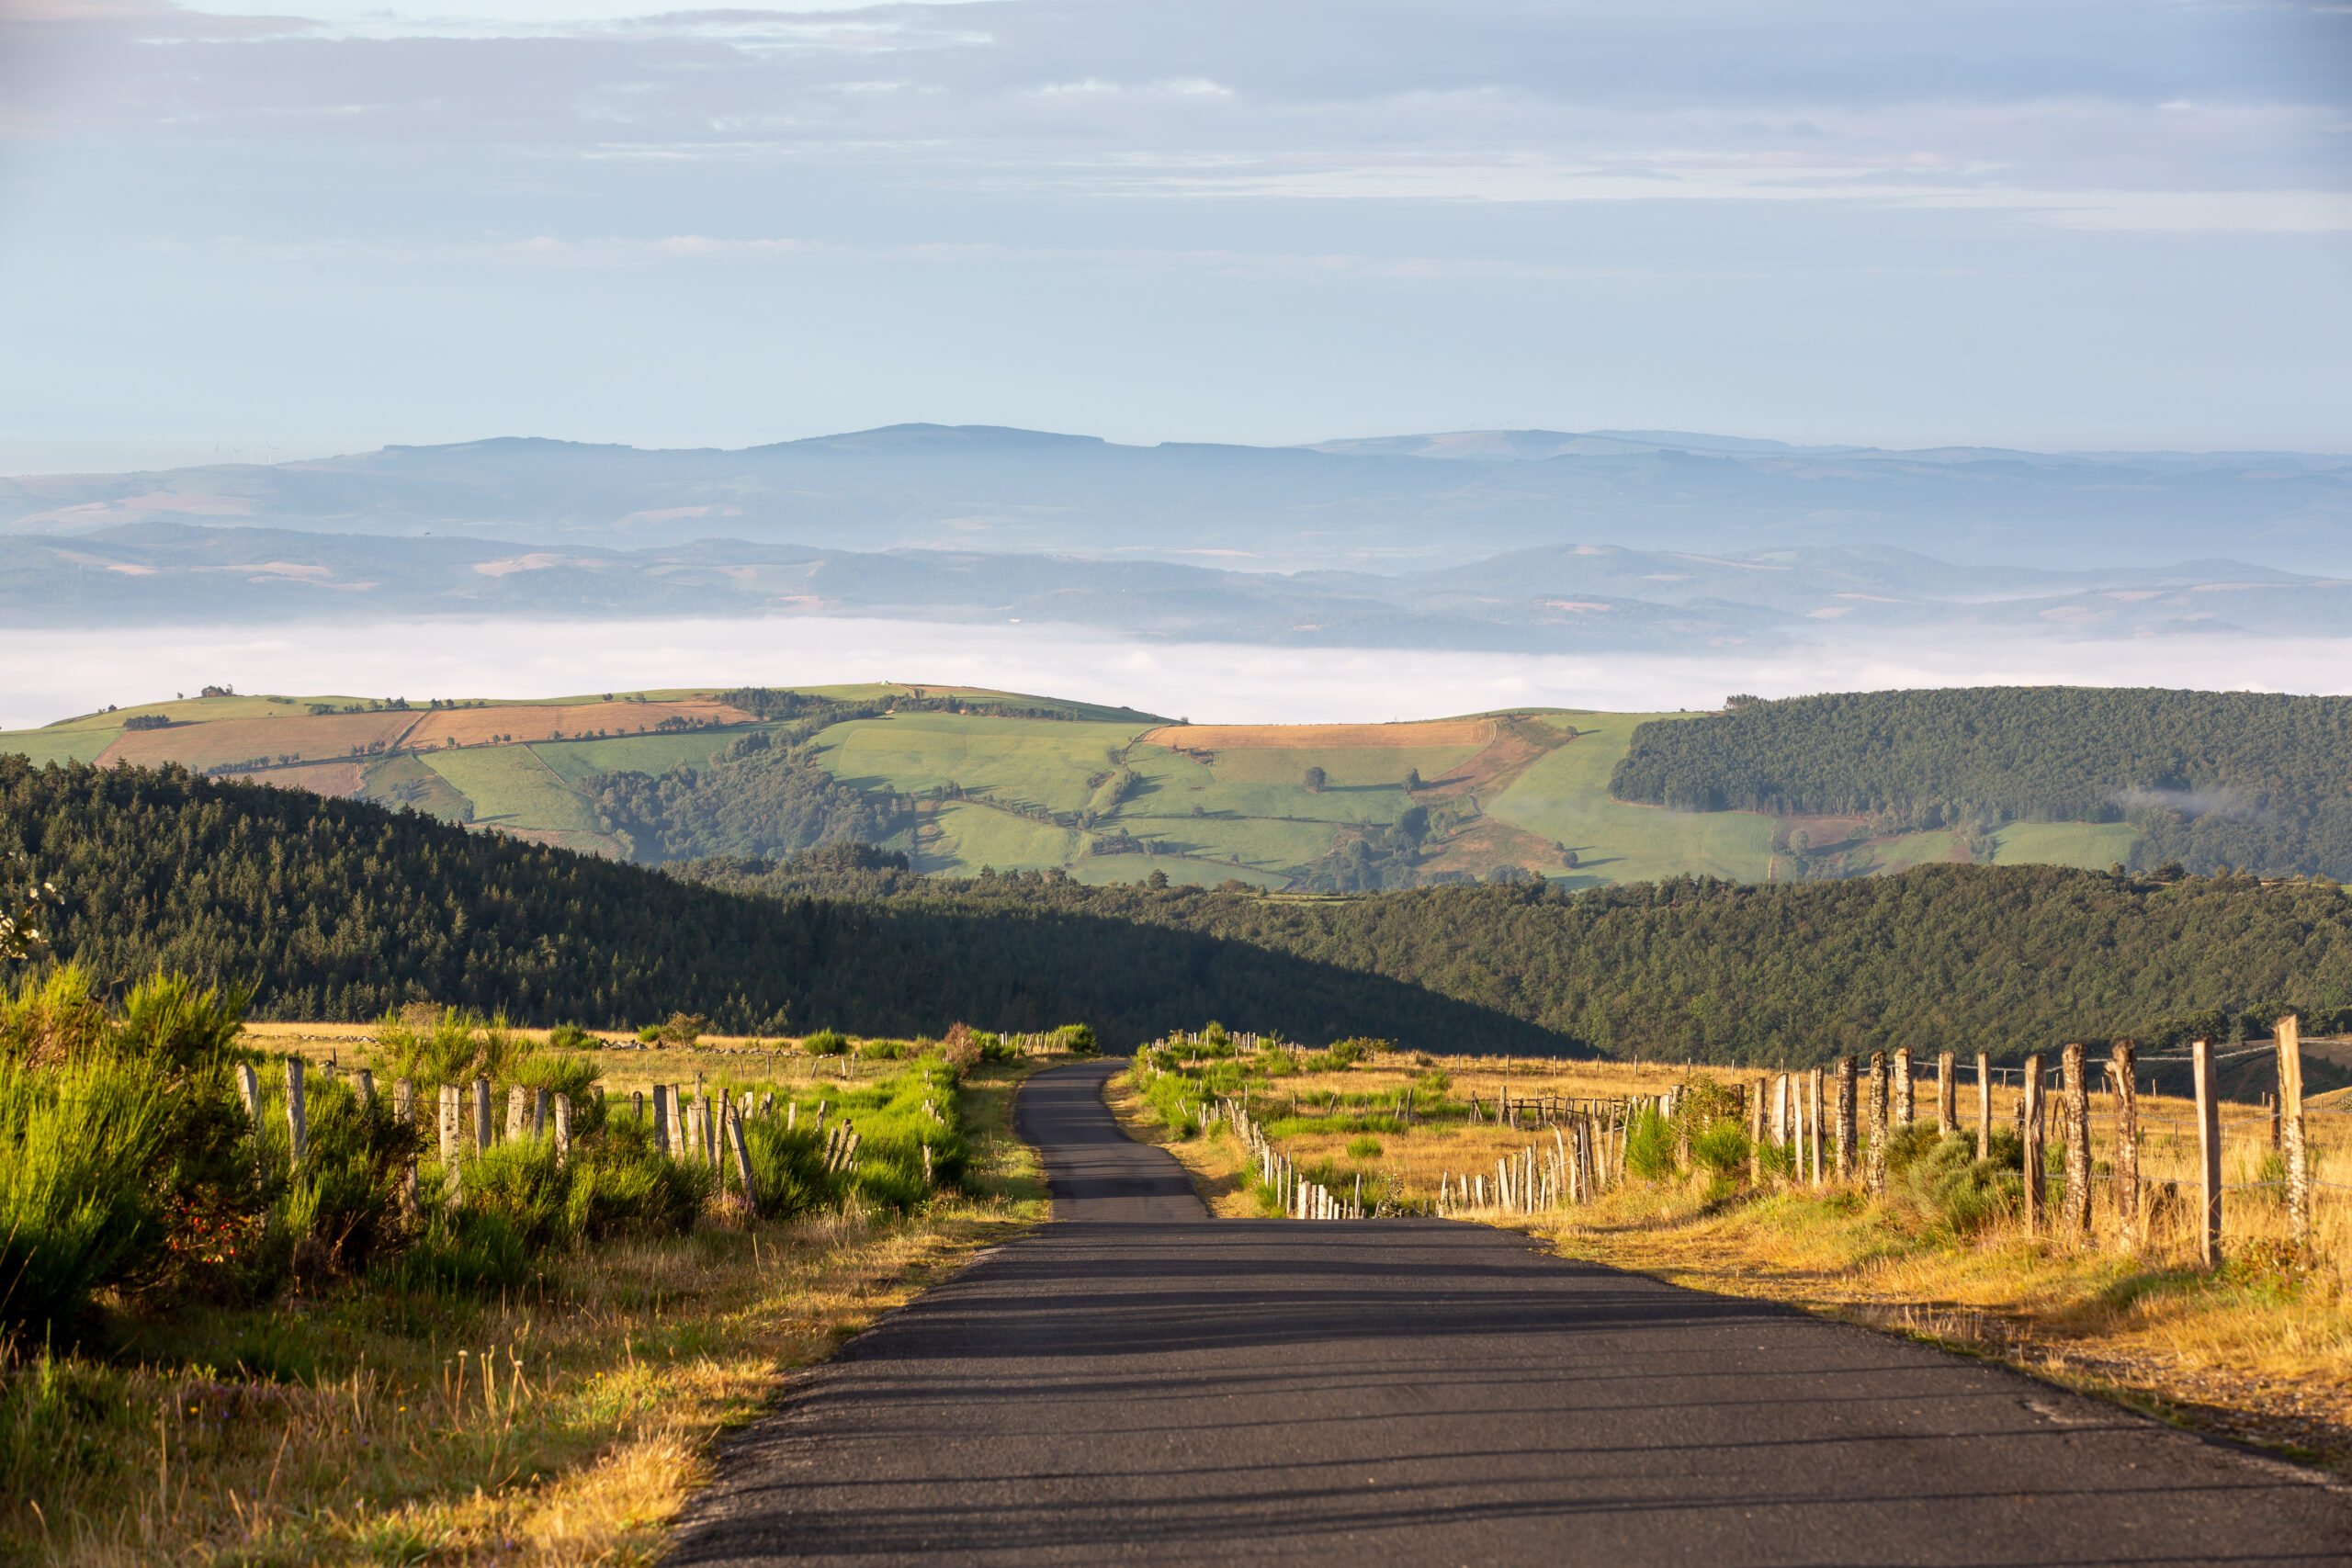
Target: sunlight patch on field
2094,846
1034,761
574,760
963,836
61,746
510,786
1563,798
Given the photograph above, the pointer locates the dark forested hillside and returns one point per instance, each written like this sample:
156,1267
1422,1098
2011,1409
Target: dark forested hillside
340,909
2004,959
337,909
2210,779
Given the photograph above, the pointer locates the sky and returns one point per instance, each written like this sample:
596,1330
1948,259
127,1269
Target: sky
2109,223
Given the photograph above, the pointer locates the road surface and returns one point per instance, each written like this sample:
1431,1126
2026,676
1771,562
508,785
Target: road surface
1138,1382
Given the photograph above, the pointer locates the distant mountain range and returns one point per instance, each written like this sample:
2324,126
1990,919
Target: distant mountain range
1505,540
1396,502
1552,597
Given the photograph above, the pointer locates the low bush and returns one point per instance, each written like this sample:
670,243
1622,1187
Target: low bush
1365,1147
80,1145
826,1042
1953,1188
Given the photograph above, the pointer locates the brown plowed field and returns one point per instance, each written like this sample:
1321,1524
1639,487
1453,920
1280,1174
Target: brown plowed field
472,727
318,737
336,779
1322,736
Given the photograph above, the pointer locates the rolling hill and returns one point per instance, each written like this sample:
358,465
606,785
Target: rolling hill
960,779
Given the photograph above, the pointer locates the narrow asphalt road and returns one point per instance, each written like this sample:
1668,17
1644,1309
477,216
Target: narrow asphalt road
1137,1382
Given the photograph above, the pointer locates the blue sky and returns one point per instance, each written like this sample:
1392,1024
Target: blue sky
2100,224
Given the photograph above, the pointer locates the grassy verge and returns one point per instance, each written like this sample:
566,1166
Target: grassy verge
564,1427
2260,1351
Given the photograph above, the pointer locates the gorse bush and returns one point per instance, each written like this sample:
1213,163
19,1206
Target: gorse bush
1952,1187
79,1146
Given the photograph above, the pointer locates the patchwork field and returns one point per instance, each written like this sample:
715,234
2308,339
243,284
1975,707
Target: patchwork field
1103,795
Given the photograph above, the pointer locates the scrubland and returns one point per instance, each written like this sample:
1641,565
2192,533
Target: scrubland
2260,1348
536,1376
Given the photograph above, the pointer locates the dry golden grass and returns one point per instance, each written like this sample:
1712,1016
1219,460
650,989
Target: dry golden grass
2262,1349
560,1430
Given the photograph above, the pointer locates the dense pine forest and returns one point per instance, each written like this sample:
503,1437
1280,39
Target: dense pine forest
2211,780
341,909
334,909
2010,959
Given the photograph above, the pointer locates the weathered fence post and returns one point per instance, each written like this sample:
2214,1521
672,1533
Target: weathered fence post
2208,1150
404,1112
518,1101
1756,1132
1875,1158
1984,1105
696,1147
662,1118
484,1131
2031,1116
1903,1103
1814,1124
1845,1118
743,1160
562,1130
539,1114
2289,1030
2126,1067
453,1122
249,1090
2075,1219
363,1084
1947,1095
297,1123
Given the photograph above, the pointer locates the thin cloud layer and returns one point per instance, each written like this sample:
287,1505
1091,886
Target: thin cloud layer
299,224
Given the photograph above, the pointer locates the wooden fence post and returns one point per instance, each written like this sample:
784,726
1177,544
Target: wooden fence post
562,1108
662,1118
484,1132
404,1113
1947,1095
2127,1143
2208,1147
679,1149
2075,1219
1845,1118
363,1084
539,1114
518,1101
1756,1132
453,1124
1905,1106
743,1160
2031,1118
297,1122
1813,1124
249,1090
2289,1030
1874,1157
1984,1105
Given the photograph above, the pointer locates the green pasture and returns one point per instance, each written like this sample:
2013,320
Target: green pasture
2092,846
1253,841
573,761
1565,798
1173,784
80,743
1097,870
971,835
1034,762
1346,767
511,787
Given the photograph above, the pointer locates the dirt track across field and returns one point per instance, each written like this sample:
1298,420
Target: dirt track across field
1137,1382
